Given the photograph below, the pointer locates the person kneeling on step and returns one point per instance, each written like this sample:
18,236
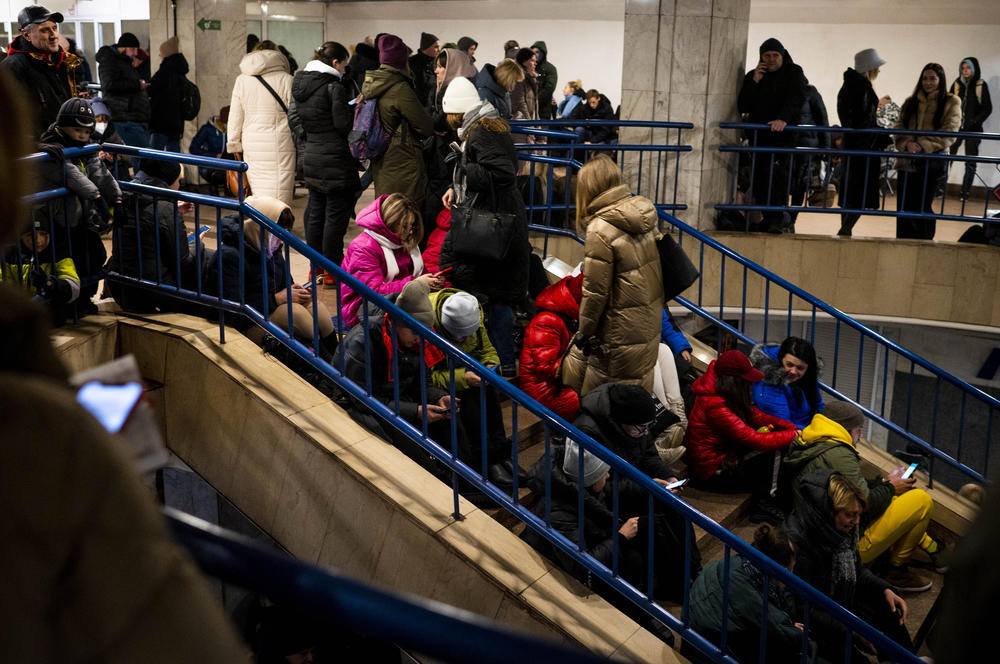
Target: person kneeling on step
897,514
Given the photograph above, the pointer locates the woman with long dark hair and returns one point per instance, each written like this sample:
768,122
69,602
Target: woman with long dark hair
319,109
930,107
725,429
790,387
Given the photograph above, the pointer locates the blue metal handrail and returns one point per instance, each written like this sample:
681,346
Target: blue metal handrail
763,157
408,621
477,477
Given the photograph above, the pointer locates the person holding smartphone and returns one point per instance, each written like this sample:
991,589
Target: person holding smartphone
897,513
772,93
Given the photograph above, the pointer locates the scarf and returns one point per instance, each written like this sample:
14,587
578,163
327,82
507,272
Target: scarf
777,595
389,251
843,575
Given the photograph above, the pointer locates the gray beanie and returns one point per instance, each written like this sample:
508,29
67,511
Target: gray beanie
593,468
844,413
460,315
415,300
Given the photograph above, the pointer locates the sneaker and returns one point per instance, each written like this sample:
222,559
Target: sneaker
766,510
941,558
508,371
904,580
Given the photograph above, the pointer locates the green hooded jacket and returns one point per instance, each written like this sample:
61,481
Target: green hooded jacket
826,444
478,344
548,77
401,168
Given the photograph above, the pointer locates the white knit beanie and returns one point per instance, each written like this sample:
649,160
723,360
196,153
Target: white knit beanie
460,315
460,96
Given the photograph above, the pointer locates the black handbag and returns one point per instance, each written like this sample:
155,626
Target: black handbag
481,233
678,270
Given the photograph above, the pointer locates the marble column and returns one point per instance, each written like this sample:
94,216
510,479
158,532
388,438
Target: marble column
212,55
684,61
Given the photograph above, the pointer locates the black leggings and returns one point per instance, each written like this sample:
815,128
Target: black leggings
327,218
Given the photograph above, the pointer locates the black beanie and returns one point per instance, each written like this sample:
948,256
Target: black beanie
128,40
167,171
524,55
772,44
75,112
631,404
426,40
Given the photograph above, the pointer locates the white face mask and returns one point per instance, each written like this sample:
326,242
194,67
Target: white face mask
273,244
99,127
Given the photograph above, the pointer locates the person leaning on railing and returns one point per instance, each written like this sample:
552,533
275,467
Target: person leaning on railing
824,530
857,107
930,107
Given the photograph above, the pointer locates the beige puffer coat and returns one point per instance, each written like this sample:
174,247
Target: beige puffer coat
622,294
258,127
951,120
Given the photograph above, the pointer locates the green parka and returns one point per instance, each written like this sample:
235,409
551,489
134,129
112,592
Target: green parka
401,168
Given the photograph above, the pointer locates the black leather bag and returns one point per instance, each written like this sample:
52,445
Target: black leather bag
678,270
478,232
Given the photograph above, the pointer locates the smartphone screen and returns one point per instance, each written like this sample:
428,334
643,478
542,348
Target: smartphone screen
676,485
909,471
110,404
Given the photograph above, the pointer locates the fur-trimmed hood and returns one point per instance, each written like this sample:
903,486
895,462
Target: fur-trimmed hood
765,359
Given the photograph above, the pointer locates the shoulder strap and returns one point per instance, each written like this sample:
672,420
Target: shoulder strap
273,93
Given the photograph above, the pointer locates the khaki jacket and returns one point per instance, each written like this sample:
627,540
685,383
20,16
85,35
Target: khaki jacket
622,294
951,120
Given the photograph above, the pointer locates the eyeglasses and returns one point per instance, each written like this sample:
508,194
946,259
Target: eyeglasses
636,430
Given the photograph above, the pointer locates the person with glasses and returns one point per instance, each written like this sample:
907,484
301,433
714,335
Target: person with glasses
620,417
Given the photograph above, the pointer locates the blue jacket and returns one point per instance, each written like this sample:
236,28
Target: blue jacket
671,335
208,142
772,396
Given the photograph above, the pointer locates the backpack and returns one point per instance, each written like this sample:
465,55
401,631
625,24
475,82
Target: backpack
190,99
367,139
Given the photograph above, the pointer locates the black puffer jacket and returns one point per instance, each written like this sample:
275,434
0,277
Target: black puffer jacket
165,95
491,91
604,111
365,57
160,215
977,105
121,89
49,80
778,96
816,539
490,169
319,102
857,107
424,81
814,113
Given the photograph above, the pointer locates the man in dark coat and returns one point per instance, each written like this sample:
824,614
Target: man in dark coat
166,91
124,91
596,107
365,57
45,71
619,416
422,68
772,93
976,107
547,80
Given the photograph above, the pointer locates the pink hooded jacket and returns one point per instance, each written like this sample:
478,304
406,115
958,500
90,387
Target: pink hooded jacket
370,258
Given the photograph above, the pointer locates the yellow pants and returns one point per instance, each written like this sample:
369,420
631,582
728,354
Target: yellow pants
901,528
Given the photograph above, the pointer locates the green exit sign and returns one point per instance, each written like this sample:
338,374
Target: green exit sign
209,24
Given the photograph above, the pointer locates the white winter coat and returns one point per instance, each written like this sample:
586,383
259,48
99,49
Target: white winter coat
258,127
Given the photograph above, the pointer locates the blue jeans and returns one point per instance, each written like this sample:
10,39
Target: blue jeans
500,325
135,134
158,141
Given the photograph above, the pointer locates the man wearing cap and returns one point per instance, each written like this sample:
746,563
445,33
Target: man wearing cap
896,514
46,72
389,364
166,95
422,67
772,93
619,416
124,91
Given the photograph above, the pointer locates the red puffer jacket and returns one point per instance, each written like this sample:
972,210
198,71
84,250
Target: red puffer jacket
715,432
432,254
545,342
